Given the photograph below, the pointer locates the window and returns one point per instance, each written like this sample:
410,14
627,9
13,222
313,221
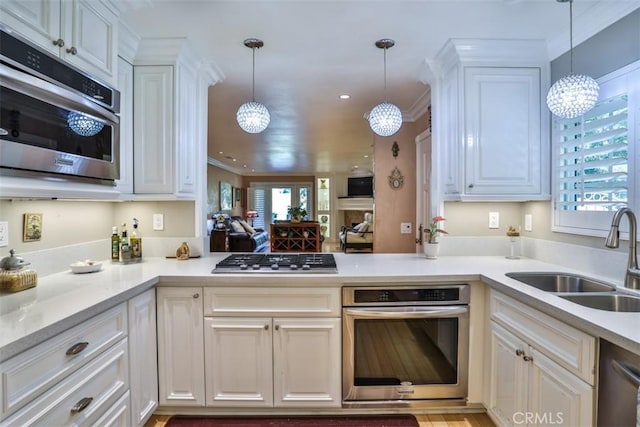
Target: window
271,201
594,158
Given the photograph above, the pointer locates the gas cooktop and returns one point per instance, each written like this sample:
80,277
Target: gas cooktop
278,263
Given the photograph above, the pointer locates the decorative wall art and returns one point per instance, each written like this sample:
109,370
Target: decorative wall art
32,227
226,196
396,180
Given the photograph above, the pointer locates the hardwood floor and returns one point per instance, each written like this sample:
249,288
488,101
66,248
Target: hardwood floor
424,420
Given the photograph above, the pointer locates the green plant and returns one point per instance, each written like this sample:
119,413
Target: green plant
432,230
297,212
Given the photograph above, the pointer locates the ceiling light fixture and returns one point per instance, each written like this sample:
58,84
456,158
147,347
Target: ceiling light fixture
574,94
253,117
385,119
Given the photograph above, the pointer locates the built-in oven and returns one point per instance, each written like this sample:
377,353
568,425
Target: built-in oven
405,344
55,120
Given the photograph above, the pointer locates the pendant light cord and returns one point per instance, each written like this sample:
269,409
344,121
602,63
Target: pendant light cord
571,36
253,77
385,74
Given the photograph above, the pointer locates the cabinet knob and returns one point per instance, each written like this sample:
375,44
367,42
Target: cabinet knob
266,327
519,352
76,348
72,50
196,296
59,42
527,358
81,405
277,327
470,185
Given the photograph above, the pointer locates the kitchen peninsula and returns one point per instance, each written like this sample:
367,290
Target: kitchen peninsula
63,301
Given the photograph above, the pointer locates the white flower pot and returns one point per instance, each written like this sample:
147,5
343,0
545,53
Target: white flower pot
431,250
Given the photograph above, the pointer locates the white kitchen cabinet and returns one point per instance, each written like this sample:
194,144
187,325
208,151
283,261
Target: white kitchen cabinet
81,32
143,352
264,362
260,344
528,383
491,122
180,346
168,131
125,86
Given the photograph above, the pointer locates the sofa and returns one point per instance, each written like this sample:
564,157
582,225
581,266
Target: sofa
244,238
358,237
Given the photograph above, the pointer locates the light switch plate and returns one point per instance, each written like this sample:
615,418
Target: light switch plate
158,222
4,233
405,228
528,222
494,220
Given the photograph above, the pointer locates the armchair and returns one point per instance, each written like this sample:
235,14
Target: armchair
358,237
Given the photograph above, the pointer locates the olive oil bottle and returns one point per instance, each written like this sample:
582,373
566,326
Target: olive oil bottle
125,247
115,244
136,243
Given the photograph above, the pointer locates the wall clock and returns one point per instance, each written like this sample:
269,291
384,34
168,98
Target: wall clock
396,180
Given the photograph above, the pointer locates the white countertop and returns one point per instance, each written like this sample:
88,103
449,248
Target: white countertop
62,300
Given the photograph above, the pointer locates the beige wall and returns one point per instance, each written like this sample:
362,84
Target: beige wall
393,207
71,222
214,176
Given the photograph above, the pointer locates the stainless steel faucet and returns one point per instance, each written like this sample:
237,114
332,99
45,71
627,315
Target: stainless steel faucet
632,277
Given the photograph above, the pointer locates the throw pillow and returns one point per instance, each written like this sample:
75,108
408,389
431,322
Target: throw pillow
236,227
363,228
249,229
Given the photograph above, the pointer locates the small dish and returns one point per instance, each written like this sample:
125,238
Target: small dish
82,267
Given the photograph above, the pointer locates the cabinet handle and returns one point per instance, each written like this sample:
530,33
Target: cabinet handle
519,352
266,327
277,327
59,43
76,348
527,358
81,405
196,296
72,50
470,185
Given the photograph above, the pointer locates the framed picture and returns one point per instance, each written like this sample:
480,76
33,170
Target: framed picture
225,196
237,196
32,227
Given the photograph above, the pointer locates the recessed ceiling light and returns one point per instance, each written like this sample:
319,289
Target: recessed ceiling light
345,96
220,152
366,156
355,167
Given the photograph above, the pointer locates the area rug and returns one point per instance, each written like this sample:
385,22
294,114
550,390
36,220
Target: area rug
317,421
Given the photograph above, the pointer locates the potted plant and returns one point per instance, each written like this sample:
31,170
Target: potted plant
431,246
296,213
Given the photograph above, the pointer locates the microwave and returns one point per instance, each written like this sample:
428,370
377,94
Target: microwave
56,122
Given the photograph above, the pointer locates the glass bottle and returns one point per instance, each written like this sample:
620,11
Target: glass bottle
115,244
125,247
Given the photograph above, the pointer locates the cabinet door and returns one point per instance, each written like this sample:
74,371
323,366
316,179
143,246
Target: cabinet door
153,129
143,352
502,131
125,86
37,20
557,397
180,346
187,115
508,376
90,32
307,360
239,361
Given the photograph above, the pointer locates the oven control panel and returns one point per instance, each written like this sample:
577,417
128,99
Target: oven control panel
424,295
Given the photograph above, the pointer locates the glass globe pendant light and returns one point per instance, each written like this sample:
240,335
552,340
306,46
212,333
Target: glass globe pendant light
253,117
385,119
574,94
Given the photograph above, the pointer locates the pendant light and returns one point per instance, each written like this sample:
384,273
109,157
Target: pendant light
253,117
385,119
574,94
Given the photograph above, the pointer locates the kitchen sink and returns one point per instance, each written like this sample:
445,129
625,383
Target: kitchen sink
561,282
608,302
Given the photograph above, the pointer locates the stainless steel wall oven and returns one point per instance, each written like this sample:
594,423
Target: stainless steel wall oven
55,120
405,344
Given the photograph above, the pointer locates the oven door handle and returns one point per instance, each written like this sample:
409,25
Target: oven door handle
406,313
627,372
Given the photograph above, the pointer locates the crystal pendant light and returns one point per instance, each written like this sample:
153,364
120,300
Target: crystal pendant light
385,119
83,125
253,117
574,94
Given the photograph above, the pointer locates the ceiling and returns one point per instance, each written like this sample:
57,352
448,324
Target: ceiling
316,50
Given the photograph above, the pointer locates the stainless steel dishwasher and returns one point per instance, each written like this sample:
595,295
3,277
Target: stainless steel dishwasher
619,389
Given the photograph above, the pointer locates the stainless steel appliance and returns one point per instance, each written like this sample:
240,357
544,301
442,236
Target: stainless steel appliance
619,386
310,262
405,344
55,120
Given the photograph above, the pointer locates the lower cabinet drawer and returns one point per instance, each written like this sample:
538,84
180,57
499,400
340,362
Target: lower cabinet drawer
82,398
118,415
30,373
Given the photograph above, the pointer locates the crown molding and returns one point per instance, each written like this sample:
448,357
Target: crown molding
420,107
215,162
128,42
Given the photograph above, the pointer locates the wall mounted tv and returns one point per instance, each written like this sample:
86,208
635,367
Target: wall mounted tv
360,186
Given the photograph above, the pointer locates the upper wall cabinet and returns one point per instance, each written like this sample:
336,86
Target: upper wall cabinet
82,32
170,119
491,124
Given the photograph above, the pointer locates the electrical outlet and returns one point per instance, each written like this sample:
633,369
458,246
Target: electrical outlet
528,222
405,228
158,222
4,233
494,220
